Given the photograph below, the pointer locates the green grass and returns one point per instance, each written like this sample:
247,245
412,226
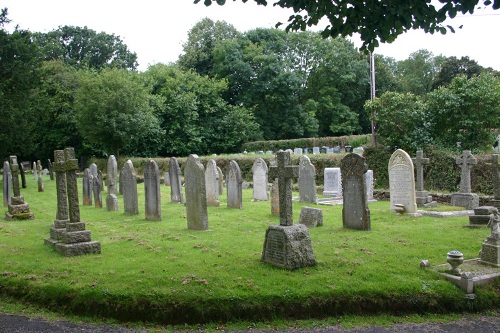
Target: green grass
161,272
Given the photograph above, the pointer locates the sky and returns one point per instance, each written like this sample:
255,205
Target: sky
157,29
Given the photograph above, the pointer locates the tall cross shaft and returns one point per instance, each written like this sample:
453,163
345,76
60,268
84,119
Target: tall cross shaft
14,169
419,162
467,162
495,165
285,173
71,165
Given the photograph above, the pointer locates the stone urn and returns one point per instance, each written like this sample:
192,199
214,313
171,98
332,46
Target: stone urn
455,259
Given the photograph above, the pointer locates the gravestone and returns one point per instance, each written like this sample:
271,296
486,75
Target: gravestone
307,181
96,190
59,225
152,191
323,150
51,169
175,181
315,150
402,182
7,183
41,186
75,240
422,197
234,186
23,175
111,183
196,197
495,166
260,181
329,151
369,185
120,183
490,252
336,150
348,149
481,216
287,245
333,182
87,187
166,178
355,212
18,208
464,197
35,171
311,217
221,181
94,180
269,152
129,187
212,183
275,198
297,151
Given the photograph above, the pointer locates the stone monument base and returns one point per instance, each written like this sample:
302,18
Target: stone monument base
78,249
111,203
18,210
288,247
57,229
423,199
490,252
467,200
495,203
481,216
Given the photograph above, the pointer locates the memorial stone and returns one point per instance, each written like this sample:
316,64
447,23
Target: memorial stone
260,181
51,169
422,197
23,175
369,185
402,182
464,198
297,151
348,149
166,178
175,181
490,252
336,150
111,183
333,182
358,150
221,181
269,152
311,217
196,197
329,151
495,166
323,150
355,212
275,198
18,208
307,181
96,190
129,180
7,183
212,183
315,150
481,215
152,191
41,186
234,186
87,187
496,146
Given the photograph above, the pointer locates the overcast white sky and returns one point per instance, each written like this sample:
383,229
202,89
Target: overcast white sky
156,29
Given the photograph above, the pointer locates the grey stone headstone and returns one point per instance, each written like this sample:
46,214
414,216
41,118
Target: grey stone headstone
275,198
96,190
234,188
112,183
348,149
59,225
221,181
7,183
402,182
269,152
152,191
87,187
323,150
175,181
196,198
465,197
421,195
297,151
260,180
329,151
369,185
497,143
166,178
307,181
311,217
355,212
51,169
129,187
332,182
212,183
336,150
289,151
315,150
23,175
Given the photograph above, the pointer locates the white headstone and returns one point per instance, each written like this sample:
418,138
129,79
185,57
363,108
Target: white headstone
333,182
259,170
307,181
402,182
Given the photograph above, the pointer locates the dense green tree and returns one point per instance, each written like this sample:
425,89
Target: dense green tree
386,69
374,21
453,67
416,74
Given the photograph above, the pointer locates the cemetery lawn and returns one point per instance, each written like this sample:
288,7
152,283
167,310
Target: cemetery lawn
161,272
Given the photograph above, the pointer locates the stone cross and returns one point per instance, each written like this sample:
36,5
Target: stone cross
14,169
466,162
419,162
71,166
495,165
285,173
62,199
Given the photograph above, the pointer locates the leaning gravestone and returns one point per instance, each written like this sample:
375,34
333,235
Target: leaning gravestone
152,191
355,212
287,245
87,187
402,182
260,182
495,165
212,183
422,197
196,198
175,181
234,186
18,208
76,240
111,183
464,198
333,182
129,180
59,225
7,183
307,181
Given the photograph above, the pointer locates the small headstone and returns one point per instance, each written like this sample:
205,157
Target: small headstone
129,180
93,170
196,198
315,150
464,198
495,166
18,208
112,183
490,252
333,182
59,225
221,181
402,182
7,183
297,151
323,150
51,169
23,175
329,151
87,187
175,181
260,181
307,150
311,217
307,181
355,212
348,149
234,188
269,152
422,197
152,191
336,150
260,152
369,185
96,190
212,183
166,178
41,186
275,198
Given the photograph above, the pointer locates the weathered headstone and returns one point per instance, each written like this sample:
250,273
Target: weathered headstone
422,197
336,150
333,182
166,178
275,198
196,198
495,166
59,225
51,169
490,252
221,181
7,183
76,240
129,180
315,150
307,181
96,190
93,170
297,151
260,181
311,217
120,183
18,208
23,175
87,187
287,245
323,150
152,191
402,182
464,198
111,183
41,186
234,186
212,183
369,185
355,212
175,181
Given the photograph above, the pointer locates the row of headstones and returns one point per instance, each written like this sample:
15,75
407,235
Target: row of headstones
317,150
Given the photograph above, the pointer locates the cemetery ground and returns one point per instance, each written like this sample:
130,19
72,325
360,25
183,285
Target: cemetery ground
161,272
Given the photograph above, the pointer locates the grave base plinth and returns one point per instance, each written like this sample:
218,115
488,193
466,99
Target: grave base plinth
78,249
288,247
18,209
495,203
467,200
481,215
423,199
490,252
